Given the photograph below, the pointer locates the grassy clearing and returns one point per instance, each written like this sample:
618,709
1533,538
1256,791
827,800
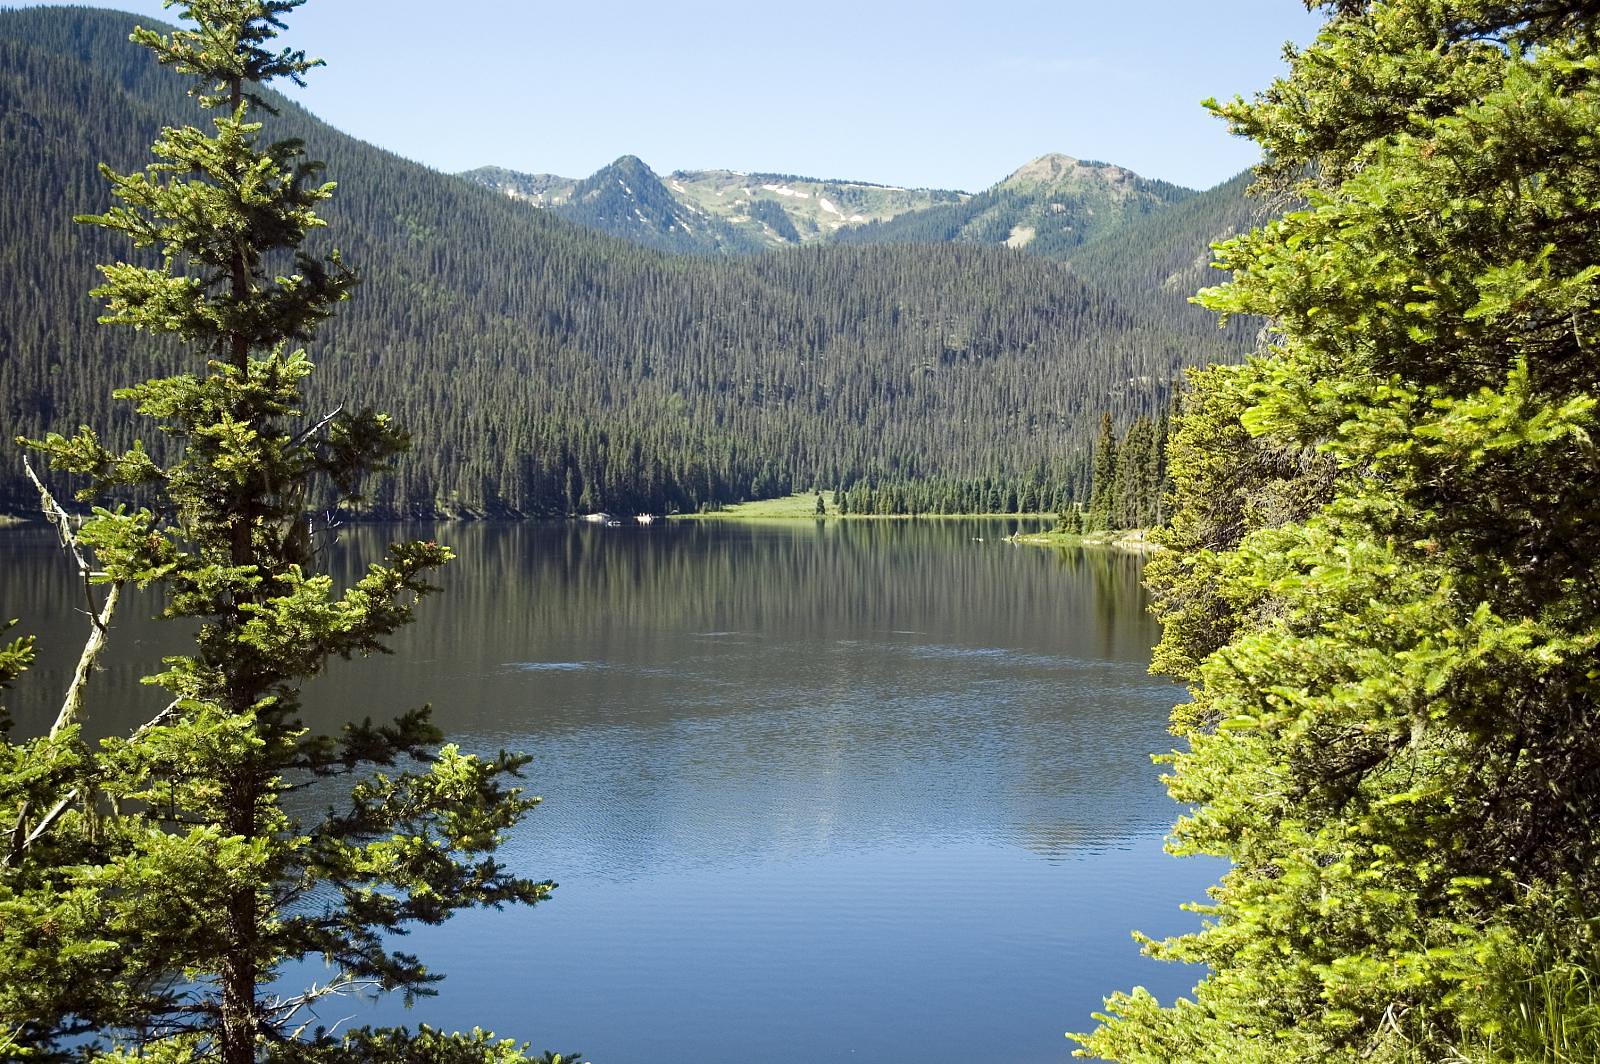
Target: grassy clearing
800,504
804,505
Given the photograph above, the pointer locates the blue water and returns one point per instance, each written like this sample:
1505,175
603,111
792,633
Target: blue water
873,791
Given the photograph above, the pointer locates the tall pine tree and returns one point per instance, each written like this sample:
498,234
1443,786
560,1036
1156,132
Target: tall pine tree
1383,587
155,887
1102,498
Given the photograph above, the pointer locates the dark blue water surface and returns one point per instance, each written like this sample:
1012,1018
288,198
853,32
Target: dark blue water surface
865,790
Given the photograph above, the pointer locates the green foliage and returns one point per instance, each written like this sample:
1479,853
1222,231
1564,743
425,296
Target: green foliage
15,657
364,1045
1105,475
155,886
426,1046
1226,483
1383,586
1128,483
1042,491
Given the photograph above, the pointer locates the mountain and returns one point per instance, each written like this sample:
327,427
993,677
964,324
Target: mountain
628,200
543,366
710,210
541,190
799,210
1107,218
625,199
1050,206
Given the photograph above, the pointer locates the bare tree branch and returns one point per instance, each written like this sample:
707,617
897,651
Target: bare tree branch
326,420
100,615
20,846
286,1008
61,521
72,705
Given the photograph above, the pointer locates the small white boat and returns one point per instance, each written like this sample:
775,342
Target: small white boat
645,519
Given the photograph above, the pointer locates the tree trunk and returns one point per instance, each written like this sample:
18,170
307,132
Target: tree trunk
240,1023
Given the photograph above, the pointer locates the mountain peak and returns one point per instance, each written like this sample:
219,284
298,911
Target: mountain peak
631,164
1058,169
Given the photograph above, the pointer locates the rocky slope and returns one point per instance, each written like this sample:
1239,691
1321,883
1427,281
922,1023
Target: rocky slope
710,211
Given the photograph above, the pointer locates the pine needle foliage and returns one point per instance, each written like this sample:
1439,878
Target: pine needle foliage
1383,585
150,913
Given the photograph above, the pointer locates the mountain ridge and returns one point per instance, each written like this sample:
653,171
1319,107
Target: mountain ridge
741,210
1050,205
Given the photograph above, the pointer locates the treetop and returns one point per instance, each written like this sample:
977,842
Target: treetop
225,52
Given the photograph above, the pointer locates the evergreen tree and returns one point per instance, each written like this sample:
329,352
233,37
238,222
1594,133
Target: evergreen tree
154,887
1132,493
1383,584
1156,480
1104,476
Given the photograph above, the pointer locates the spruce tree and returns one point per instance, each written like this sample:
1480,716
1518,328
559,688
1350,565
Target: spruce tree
1383,585
1102,484
155,886
1131,491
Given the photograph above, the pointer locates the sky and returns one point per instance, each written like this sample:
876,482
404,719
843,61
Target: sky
931,94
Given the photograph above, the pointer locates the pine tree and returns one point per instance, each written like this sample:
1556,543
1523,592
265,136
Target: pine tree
1132,492
1156,480
1103,478
1383,585
155,886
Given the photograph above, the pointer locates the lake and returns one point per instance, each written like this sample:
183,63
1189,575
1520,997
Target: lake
872,790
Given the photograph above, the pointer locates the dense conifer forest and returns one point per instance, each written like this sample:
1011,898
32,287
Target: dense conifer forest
553,369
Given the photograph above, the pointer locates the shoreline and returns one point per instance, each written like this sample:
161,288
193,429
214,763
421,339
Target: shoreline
724,515
1133,541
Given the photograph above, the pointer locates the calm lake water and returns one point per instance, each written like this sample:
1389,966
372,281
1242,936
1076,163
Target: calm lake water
873,791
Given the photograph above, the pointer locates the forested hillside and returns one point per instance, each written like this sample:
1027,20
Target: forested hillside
1170,250
549,368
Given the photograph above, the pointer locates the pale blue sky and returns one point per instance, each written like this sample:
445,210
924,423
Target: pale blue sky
931,93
